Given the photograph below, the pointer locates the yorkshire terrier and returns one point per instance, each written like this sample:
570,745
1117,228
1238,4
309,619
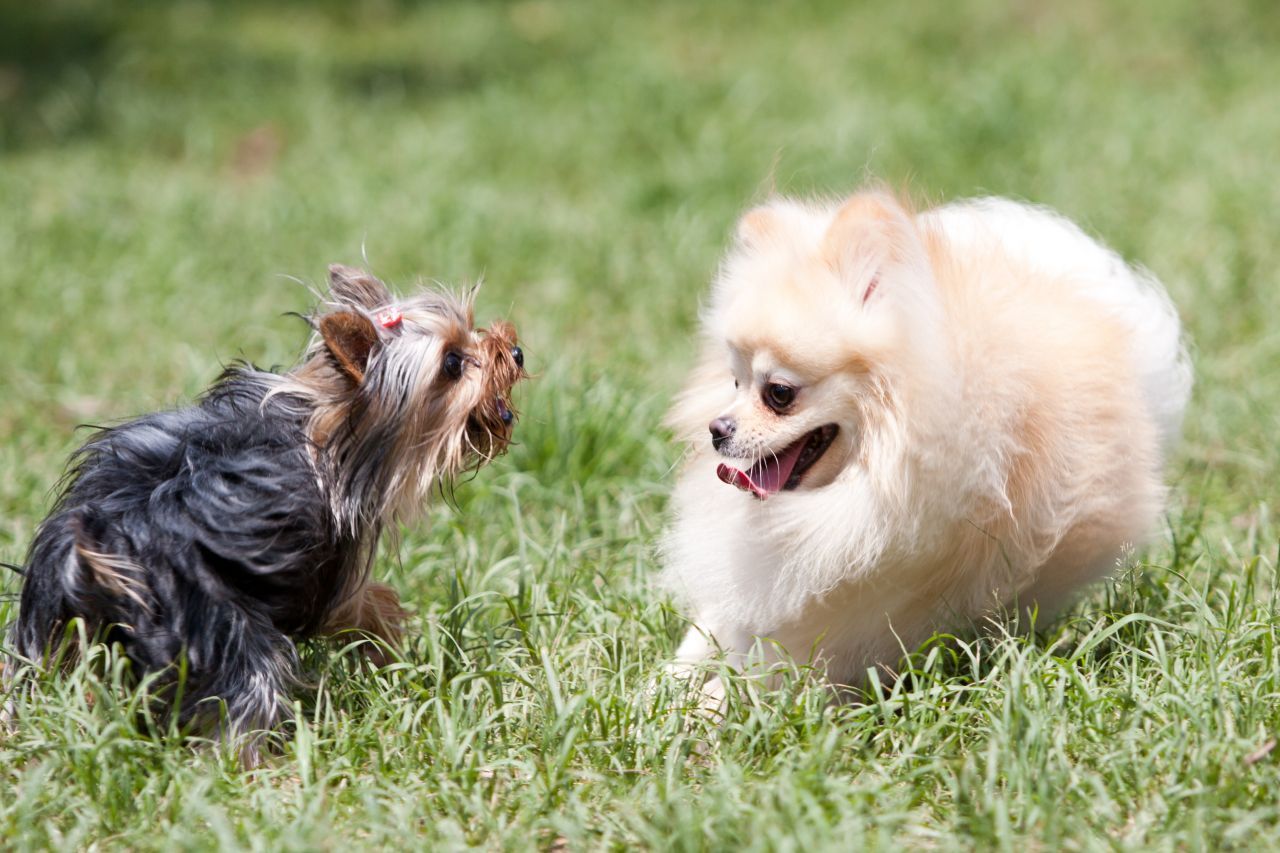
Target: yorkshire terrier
224,532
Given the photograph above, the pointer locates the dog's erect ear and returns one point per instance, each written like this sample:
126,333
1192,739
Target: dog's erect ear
357,288
868,231
757,225
351,338
865,222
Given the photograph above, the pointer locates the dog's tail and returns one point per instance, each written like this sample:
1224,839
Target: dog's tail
71,573
1164,362
1130,293
43,610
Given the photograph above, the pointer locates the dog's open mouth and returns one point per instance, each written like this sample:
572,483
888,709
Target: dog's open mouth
783,470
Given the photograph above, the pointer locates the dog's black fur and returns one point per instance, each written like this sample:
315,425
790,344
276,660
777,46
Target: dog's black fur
230,548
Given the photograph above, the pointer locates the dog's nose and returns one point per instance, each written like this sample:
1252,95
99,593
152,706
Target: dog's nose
722,430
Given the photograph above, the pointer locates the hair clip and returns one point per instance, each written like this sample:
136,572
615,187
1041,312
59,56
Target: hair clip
389,319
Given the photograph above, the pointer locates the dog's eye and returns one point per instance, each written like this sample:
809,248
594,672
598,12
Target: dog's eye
453,365
779,397
518,355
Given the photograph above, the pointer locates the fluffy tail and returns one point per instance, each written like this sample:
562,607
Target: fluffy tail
1046,240
1160,352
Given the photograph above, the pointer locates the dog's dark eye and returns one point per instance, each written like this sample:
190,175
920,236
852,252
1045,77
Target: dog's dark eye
779,397
518,355
453,365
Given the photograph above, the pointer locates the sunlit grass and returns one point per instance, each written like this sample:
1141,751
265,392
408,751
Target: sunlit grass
168,170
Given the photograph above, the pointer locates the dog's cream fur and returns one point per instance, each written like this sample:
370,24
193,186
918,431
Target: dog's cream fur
1006,393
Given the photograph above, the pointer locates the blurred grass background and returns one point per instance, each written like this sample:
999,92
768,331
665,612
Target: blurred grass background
169,170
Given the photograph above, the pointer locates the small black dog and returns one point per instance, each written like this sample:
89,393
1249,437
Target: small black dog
225,531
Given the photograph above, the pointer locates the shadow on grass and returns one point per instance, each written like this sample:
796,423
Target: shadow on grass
66,64
51,56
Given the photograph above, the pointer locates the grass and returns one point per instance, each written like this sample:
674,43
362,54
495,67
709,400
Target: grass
166,168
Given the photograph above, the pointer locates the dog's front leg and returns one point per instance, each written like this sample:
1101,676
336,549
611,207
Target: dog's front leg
374,610
701,645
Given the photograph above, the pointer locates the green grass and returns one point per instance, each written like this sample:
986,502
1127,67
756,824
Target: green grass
165,168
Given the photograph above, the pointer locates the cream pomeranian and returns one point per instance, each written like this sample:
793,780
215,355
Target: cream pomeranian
929,418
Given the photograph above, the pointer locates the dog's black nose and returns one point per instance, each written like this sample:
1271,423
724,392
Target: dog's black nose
721,431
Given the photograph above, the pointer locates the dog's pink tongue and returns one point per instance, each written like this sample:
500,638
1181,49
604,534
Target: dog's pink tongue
766,476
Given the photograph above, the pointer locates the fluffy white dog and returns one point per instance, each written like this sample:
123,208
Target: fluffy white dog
929,418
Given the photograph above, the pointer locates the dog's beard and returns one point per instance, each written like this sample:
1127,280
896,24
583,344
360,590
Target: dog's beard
492,418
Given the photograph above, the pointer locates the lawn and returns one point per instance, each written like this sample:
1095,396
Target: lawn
174,175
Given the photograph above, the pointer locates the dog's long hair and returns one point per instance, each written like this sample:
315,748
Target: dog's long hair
224,531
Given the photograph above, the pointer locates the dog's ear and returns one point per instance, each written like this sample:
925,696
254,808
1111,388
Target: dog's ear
869,231
757,225
351,338
357,288
772,222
